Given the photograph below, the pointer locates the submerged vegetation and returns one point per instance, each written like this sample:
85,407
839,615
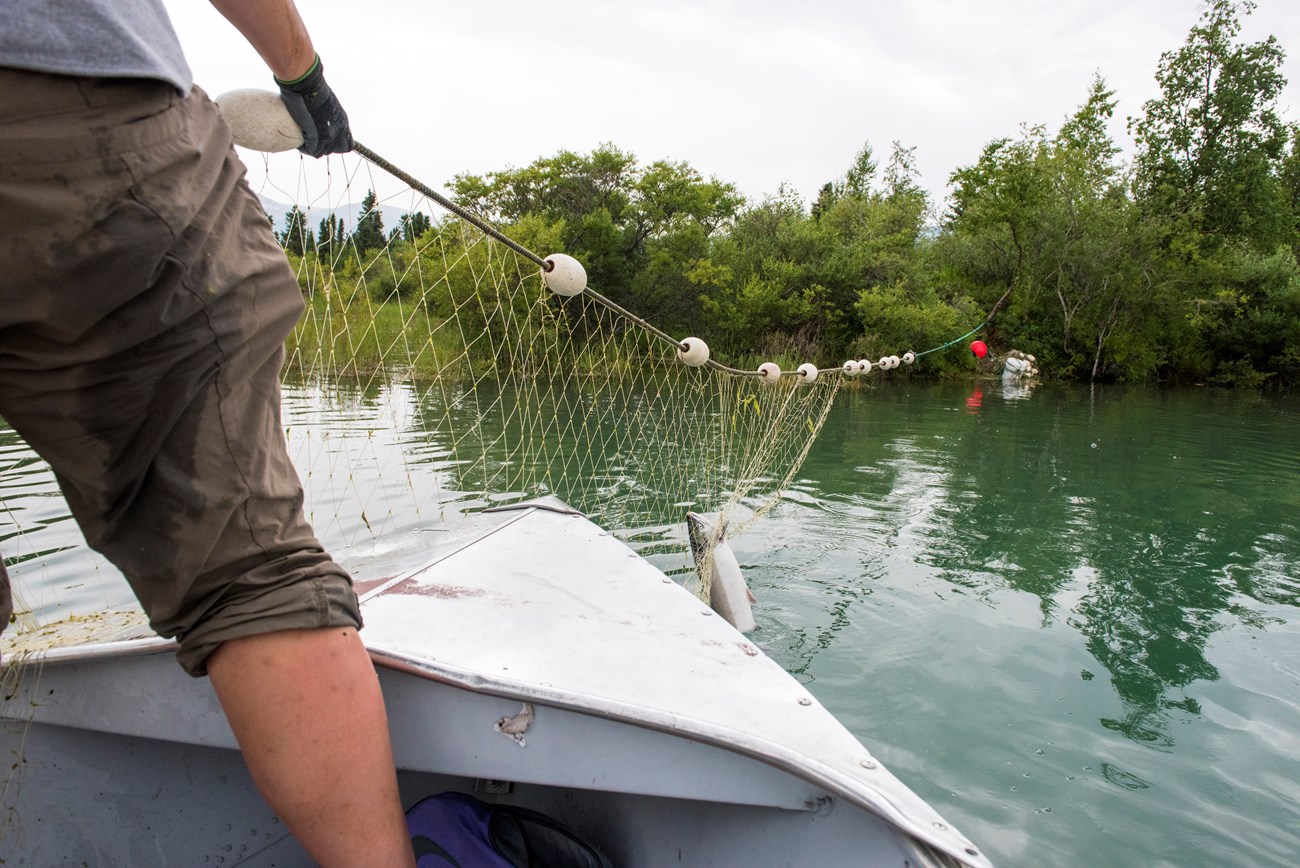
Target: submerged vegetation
1177,267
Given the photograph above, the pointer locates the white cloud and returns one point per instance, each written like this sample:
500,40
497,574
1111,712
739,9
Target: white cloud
757,93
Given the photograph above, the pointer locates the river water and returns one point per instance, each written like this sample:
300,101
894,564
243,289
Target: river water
1069,619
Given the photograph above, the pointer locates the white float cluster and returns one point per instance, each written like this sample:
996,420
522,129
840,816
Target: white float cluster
857,367
1020,364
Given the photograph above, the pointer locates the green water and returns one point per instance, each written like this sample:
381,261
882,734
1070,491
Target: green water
1069,620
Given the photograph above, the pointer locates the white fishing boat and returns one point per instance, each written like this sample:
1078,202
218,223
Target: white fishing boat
527,657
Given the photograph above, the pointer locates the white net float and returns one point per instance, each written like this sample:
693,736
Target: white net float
565,275
1031,358
808,372
883,364
865,365
769,372
851,368
694,352
895,361
909,357
259,120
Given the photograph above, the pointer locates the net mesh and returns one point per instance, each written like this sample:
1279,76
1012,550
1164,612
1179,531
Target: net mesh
498,389
435,374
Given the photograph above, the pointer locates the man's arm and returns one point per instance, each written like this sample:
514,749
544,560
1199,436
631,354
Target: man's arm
275,29
305,705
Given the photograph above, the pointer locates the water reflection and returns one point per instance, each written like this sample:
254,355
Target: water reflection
1147,522
388,456
1017,389
393,456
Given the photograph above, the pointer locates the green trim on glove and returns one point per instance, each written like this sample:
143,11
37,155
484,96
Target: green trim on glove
299,80
314,107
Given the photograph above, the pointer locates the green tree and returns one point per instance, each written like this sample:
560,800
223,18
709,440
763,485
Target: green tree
901,177
297,237
641,233
825,199
369,234
1290,180
330,238
1210,146
797,276
411,226
1085,134
1214,184
1042,235
860,175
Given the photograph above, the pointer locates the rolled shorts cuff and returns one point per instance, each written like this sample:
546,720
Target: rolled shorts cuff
311,604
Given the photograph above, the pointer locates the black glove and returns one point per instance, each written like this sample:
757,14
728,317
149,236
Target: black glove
313,105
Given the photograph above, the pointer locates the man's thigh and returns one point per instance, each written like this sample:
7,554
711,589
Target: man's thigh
142,322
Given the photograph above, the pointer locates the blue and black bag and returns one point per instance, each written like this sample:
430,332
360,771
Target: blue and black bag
458,830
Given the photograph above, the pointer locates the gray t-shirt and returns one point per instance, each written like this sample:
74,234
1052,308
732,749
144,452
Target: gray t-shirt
109,38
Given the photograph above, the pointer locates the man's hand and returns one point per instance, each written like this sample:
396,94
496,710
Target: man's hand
318,113
275,29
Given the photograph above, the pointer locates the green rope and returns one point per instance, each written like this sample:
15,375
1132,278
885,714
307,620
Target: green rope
958,340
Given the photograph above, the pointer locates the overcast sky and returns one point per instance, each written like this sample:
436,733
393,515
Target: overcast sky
755,92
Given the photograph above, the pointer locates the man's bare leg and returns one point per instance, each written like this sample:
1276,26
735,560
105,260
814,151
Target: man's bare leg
306,708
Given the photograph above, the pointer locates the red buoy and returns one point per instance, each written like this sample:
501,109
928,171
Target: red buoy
979,348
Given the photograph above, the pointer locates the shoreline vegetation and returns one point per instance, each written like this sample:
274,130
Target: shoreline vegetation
1179,267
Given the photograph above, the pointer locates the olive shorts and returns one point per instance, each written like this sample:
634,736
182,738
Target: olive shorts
144,305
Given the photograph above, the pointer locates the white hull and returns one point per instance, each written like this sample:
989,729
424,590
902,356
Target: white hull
652,727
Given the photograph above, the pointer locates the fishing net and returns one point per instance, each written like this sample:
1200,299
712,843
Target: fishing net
475,384
434,373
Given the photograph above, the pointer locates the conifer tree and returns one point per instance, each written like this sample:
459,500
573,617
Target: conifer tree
412,226
297,238
369,234
330,237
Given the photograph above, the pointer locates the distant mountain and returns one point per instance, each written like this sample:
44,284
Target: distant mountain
349,213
